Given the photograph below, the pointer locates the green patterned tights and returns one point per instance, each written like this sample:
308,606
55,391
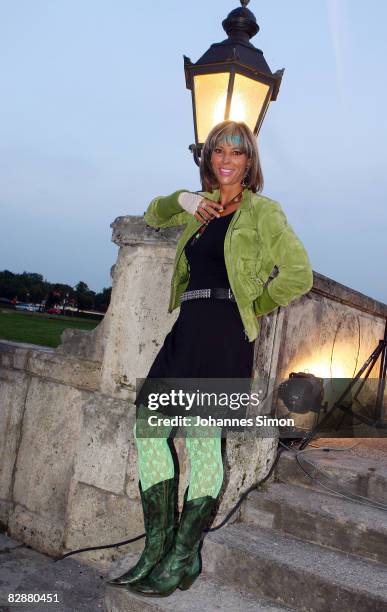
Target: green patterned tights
204,452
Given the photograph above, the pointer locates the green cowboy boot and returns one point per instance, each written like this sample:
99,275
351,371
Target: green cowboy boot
158,503
181,565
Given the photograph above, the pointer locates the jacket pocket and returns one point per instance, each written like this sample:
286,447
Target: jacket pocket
251,268
249,279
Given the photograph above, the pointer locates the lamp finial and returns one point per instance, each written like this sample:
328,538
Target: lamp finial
241,23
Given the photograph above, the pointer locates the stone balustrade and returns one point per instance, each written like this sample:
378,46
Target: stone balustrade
68,470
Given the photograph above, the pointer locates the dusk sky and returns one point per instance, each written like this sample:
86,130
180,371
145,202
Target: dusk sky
95,121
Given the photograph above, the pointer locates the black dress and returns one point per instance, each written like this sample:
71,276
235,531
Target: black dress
207,339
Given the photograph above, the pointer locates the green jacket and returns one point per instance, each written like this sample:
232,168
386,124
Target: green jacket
257,239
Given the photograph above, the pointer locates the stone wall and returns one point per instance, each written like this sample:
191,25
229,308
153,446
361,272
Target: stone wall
68,463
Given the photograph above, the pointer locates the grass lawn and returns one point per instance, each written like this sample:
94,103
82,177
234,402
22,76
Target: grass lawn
37,327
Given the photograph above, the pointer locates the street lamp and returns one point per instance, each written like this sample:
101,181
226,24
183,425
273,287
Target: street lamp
232,80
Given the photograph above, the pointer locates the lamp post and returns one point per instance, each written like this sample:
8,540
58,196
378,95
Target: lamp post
232,80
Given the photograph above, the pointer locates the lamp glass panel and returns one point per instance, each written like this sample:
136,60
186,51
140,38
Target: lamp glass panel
210,101
247,101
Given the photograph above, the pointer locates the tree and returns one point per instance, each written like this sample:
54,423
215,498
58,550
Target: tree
32,286
84,296
37,293
8,283
81,287
86,301
102,300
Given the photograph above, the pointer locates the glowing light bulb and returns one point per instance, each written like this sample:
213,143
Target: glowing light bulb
219,108
238,109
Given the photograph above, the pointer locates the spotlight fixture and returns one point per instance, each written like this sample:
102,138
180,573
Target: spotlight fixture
302,393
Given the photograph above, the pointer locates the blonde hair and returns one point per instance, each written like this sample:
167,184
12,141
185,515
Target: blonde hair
231,132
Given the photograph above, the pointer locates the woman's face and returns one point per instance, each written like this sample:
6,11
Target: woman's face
229,164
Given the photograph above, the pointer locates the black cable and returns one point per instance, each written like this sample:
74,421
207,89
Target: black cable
225,520
253,487
360,499
246,493
80,550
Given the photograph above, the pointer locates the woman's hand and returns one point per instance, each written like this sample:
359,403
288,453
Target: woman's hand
200,207
207,210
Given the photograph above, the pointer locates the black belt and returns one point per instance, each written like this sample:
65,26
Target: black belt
219,293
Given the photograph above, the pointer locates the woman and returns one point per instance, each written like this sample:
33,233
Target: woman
233,238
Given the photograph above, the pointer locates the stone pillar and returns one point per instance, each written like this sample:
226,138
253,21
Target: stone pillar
137,320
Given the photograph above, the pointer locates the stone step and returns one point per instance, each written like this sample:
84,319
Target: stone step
74,586
314,516
205,595
289,571
358,475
